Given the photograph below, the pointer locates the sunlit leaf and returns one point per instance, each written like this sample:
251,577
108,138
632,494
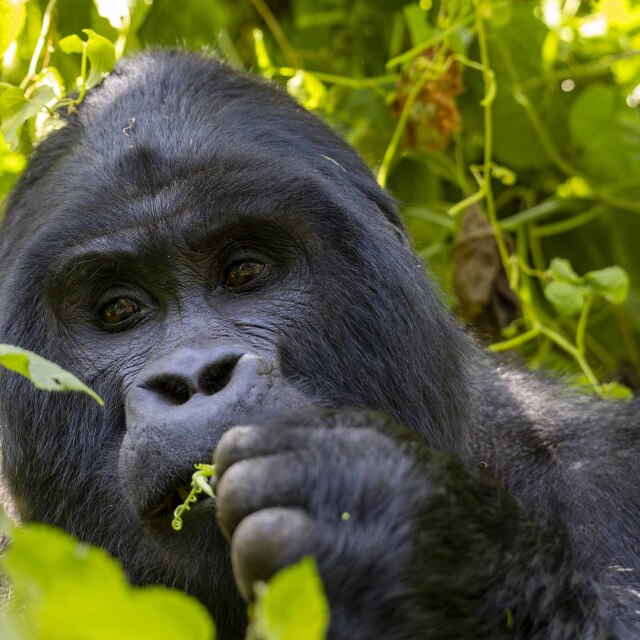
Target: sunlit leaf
100,51
64,590
12,15
102,56
42,373
72,44
292,606
16,109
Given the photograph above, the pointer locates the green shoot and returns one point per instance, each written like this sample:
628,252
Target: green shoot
199,484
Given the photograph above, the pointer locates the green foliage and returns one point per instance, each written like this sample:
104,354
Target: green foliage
568,292
100,52
42,373
66,590
63,589
292,606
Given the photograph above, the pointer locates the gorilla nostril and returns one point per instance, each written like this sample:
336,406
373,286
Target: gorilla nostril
172,388
215,377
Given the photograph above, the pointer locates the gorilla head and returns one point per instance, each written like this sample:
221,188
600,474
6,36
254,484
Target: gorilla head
204,253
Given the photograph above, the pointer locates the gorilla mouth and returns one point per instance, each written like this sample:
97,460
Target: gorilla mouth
168,504
161,504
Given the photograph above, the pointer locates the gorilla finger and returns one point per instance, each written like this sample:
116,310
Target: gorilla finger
267,541
240,443
260,483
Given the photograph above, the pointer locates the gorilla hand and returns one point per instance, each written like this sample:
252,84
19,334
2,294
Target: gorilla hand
345,487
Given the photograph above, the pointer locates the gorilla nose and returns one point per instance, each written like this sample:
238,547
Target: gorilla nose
196,373
189,370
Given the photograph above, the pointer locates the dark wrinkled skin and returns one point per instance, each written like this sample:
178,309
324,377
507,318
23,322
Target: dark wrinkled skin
334,381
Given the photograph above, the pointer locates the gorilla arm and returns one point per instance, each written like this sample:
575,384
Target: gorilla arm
466,563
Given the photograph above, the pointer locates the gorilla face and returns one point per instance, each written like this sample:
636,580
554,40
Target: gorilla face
203,253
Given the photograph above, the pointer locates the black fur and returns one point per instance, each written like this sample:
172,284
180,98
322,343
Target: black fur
503,508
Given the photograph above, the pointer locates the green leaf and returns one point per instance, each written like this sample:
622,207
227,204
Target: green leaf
607,132
561,269
567,298
42,373
615,391
68,590
516,43
102,56
292,606
16,109
12,16
101,53
72,44
611,283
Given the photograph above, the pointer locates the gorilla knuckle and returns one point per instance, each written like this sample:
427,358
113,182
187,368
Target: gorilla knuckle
267,541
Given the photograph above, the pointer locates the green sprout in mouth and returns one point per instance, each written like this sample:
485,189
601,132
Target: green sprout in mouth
199,484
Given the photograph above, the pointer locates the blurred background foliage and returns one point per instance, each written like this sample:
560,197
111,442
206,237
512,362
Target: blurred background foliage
508,130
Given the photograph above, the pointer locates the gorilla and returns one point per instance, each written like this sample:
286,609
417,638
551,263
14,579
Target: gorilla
226,273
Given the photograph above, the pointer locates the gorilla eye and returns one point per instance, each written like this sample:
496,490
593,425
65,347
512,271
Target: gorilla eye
118,310
242,272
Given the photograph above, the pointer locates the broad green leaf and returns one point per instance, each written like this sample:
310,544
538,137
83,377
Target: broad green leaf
561,269
42,373
567,298
516,56
100,51
292,606
102,56
66,590
16,109
607,132
611,283
12,15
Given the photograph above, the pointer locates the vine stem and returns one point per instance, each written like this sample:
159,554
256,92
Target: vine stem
518,341
487,104
389,154
276,30
573,351
42,38
427,44
556,228
355,83
581,330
